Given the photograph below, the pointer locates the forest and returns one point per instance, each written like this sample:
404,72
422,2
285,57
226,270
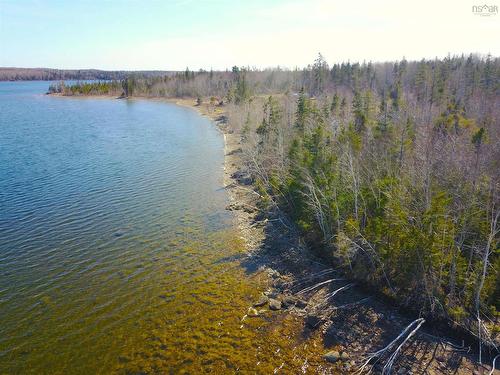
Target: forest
390,170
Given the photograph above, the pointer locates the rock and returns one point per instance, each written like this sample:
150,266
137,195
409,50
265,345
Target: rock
272,294
245,181
261,301
252,312
248,209
233,207
332,356
301,303
242,177
312,321
288,301
274,304
119,233
238,150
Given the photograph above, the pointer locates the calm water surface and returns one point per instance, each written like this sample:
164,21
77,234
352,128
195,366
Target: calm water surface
116,253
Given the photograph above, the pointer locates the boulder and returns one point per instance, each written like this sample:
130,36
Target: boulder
242,177
288,301
261,301
332,356
301,303
274,304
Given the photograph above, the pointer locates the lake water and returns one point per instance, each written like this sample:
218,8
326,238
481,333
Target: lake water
116,252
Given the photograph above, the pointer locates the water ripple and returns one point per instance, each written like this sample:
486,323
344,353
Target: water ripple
95,200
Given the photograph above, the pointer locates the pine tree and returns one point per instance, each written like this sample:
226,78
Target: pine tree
320,72
358,112
303,109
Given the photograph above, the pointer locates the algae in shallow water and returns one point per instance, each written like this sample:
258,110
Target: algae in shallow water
198,326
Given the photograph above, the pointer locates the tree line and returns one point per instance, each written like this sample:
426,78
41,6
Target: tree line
46,74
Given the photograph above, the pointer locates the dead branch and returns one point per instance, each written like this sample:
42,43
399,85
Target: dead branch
332,294
378,355
388,366
318,285
493,365
328,312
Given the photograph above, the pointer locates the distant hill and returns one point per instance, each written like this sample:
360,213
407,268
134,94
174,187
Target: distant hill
46,74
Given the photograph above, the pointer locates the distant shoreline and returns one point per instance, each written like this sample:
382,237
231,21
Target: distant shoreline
13,74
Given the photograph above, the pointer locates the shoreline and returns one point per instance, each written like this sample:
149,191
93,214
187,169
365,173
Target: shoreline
255,236
283,271
241,199
275,248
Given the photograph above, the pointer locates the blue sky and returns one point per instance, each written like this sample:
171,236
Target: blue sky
171,35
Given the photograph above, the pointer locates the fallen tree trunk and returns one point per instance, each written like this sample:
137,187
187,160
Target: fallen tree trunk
407,333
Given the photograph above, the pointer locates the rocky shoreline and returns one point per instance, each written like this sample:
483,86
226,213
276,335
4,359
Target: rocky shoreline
352,322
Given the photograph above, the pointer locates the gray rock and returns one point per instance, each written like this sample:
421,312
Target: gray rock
332,356
261,301
245,181
274,304
248,209
301,303
288,301
242,177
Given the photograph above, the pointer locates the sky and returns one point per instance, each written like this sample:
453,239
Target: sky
218,34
